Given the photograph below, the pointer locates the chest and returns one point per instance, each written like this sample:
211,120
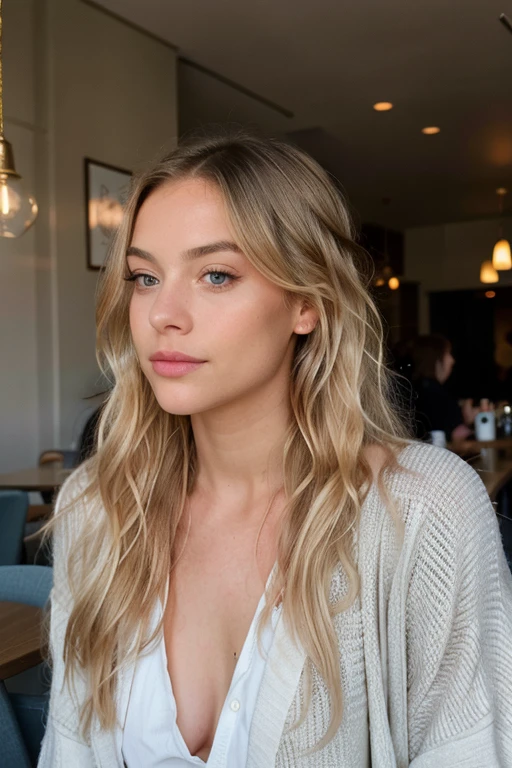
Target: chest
214,592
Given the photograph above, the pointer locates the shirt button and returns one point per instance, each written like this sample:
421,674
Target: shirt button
235,705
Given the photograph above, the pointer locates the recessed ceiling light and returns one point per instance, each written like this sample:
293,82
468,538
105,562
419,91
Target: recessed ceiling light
430,130
383,106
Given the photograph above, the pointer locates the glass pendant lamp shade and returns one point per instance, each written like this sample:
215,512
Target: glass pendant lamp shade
488,274
501,257
18,209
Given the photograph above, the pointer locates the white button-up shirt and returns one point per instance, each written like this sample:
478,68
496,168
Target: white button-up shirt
151,737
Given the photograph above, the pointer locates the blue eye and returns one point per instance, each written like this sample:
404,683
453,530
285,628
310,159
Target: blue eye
216,276
136,279
219,279
146,278
219,275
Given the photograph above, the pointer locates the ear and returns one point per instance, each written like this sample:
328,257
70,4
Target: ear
307,319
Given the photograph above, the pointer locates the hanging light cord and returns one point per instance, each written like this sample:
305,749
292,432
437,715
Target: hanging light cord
506,22
1,80
501,198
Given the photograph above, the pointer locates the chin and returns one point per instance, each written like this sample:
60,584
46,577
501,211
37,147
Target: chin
175,405
180,406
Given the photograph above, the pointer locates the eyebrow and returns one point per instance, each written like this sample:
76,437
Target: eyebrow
191,253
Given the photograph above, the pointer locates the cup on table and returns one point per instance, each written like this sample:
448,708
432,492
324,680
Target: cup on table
485,425
438,437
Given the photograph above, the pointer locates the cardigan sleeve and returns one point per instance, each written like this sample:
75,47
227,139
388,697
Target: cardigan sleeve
458,617
61,751
62,745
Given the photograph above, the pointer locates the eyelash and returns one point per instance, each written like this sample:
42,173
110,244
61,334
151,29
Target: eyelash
134,276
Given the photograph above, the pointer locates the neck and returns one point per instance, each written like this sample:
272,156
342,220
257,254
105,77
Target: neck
239,450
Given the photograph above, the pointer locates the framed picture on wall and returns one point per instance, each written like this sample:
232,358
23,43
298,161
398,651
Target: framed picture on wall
106,189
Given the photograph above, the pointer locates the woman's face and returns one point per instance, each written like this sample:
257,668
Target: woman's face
198,295
444,367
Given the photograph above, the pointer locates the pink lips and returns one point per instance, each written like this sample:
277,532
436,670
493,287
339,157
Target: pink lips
173,364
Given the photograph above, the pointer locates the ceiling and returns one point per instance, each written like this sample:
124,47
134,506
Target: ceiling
328,61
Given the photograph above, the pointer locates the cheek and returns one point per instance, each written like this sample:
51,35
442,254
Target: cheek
132,319
262,331
136,321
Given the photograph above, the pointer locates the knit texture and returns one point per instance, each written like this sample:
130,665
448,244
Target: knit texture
425,651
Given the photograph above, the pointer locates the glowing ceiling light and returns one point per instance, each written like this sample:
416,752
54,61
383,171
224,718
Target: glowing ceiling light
501,256
488,274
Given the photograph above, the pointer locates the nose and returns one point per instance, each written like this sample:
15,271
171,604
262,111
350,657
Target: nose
171,308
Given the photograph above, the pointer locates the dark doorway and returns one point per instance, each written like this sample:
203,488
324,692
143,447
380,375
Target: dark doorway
399,311
476,324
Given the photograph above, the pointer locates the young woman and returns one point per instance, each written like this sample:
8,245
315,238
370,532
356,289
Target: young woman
257,568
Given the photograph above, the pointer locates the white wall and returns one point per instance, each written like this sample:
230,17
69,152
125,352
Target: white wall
448,257
19,433
78,83
114,100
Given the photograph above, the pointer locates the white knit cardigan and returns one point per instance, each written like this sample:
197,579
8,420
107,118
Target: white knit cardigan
432,626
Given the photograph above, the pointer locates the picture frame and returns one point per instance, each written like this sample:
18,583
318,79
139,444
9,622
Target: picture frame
106,189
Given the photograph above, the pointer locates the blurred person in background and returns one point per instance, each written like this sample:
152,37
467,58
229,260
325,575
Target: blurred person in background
435,407
503,369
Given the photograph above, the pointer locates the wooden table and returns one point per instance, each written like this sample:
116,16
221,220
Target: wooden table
46,478
463,447
495,469
20,638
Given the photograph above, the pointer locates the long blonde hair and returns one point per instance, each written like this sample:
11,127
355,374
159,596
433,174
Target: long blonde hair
293,226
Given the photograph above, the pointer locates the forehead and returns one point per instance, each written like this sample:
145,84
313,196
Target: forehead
189,210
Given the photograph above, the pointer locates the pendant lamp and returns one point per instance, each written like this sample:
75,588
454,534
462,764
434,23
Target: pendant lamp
488,274
501,256
18,210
